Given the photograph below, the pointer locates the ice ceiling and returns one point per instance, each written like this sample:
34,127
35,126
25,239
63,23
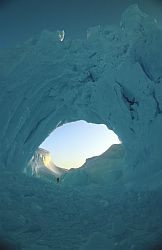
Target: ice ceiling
113,77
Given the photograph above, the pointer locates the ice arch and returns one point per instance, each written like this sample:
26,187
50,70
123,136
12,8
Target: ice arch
112,77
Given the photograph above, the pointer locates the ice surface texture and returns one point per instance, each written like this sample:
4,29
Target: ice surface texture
112,77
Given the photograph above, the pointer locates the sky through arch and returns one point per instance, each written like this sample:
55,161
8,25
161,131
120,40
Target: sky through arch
72,143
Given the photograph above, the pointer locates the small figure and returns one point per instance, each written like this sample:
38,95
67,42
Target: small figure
58,179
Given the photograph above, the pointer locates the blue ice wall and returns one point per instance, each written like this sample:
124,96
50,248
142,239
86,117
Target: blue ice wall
112,77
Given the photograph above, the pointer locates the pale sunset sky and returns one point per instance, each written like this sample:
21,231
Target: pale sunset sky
72,143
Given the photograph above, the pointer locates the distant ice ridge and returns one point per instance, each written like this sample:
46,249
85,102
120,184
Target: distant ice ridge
41,165
113,77
99,170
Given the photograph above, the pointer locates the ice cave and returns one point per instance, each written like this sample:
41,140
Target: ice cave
113,77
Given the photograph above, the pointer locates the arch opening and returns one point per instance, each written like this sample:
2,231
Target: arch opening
69,146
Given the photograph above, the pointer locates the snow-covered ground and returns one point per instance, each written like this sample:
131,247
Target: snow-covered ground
37,216
87,214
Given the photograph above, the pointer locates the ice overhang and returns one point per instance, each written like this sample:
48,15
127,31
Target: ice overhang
113,78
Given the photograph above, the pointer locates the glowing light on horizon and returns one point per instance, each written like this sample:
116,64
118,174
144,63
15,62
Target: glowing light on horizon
72,143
